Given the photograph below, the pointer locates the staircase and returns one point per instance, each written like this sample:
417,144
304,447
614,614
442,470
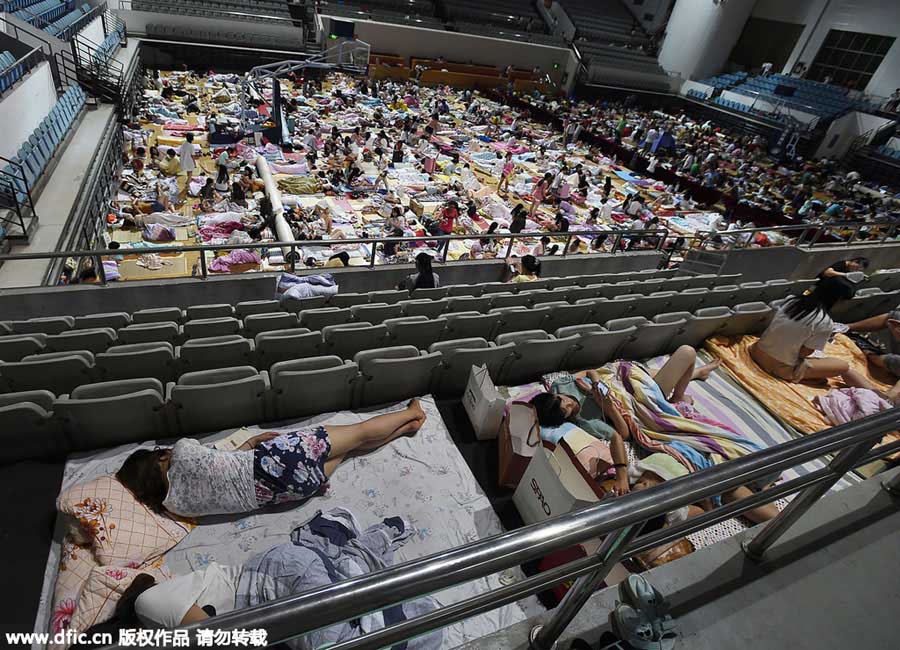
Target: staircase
101,76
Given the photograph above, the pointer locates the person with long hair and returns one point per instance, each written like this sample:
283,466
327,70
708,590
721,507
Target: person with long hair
526,269
424,277
539,193
801,327
193,480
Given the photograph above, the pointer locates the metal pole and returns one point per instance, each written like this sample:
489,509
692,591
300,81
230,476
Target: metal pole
510,247
568,243
842,463
372,257
445,251
292,258
544,637
616,243
101,272
203,270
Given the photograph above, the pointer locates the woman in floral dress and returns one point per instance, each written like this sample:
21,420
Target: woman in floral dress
193,480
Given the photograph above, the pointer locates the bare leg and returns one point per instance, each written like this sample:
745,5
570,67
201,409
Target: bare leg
756,515
376,432
825,368
858,380
675,375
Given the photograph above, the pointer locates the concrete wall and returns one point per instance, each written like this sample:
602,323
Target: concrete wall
760,264
844,130
769,107
462,48
821,16
700,36
93,31
137,22
557,18
24,107
130,296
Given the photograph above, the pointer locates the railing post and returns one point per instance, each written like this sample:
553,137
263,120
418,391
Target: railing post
892,485
203,270
568,243
372,256
292,258
509,248
101,272
616,243
544,637
443,253
756,548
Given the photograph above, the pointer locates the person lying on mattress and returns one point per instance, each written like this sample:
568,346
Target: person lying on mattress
802,327
193,480
655,414
328,549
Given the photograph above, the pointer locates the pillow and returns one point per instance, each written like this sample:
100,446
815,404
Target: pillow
102,590
75,565
122,531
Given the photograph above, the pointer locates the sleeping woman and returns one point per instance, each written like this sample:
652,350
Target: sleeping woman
325,550
192,480
653,413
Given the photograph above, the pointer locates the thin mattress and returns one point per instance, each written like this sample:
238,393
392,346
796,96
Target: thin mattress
422,477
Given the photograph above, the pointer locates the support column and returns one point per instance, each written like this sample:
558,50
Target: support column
701,34
282,229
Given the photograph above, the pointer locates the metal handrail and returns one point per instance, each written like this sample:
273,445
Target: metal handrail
162,5
75,27
27,62
618,519
89,204
742,238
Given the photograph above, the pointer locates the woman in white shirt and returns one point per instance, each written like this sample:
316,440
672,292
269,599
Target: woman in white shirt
803,326
192,480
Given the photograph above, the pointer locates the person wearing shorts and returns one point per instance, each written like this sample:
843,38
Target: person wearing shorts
890,360
193,480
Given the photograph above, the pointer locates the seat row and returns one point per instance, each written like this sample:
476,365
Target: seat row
10,73
548,309
42,12
57,27
109,413
35,153
655,330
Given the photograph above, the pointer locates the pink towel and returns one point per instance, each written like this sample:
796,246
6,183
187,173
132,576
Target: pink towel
843,405
220,230
238,256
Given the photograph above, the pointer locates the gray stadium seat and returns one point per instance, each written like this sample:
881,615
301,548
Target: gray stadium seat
303,387
494,287
424,307
653,337
268,322
700,326
471,324
346,340
394,374
5,329
58,372
536,353
15,347
94,340
158,315
865,304
534,285
458,358
417,331
549,295
518,319
459,304
316,319
294,305
583,293
432,294
28,428
595,345
214,352
603,309
565,316
113,413
725,295
48,325
631,300
168,332
776,289
502,300
206,327
657,302
376,312
198,312
691,300
348,299
286,345
390,296
749,318
619,289
555,283
252,307
752,292
705,281
886,279
114,320
156,360
212,400
461,290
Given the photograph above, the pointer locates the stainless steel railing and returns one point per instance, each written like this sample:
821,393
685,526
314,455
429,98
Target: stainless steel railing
619,520
807,235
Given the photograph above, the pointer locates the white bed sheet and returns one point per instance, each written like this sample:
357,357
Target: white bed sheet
422,477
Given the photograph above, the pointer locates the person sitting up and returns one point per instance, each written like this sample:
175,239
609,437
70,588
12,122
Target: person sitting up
170,166
890,360
541,247
193,480
424,277
519,218
526,269
801,327
338,260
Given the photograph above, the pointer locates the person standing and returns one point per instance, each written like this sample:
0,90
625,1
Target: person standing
187,164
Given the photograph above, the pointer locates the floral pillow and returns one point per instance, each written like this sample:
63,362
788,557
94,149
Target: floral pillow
122,531
102,590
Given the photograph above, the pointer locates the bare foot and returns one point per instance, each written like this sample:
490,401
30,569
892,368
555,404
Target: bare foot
703,372
415,410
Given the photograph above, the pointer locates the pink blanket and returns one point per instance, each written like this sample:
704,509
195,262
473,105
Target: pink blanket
238,256
220,230
843,405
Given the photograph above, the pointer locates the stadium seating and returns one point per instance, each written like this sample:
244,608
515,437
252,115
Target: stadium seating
37,152
59,26
10,73
724,81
